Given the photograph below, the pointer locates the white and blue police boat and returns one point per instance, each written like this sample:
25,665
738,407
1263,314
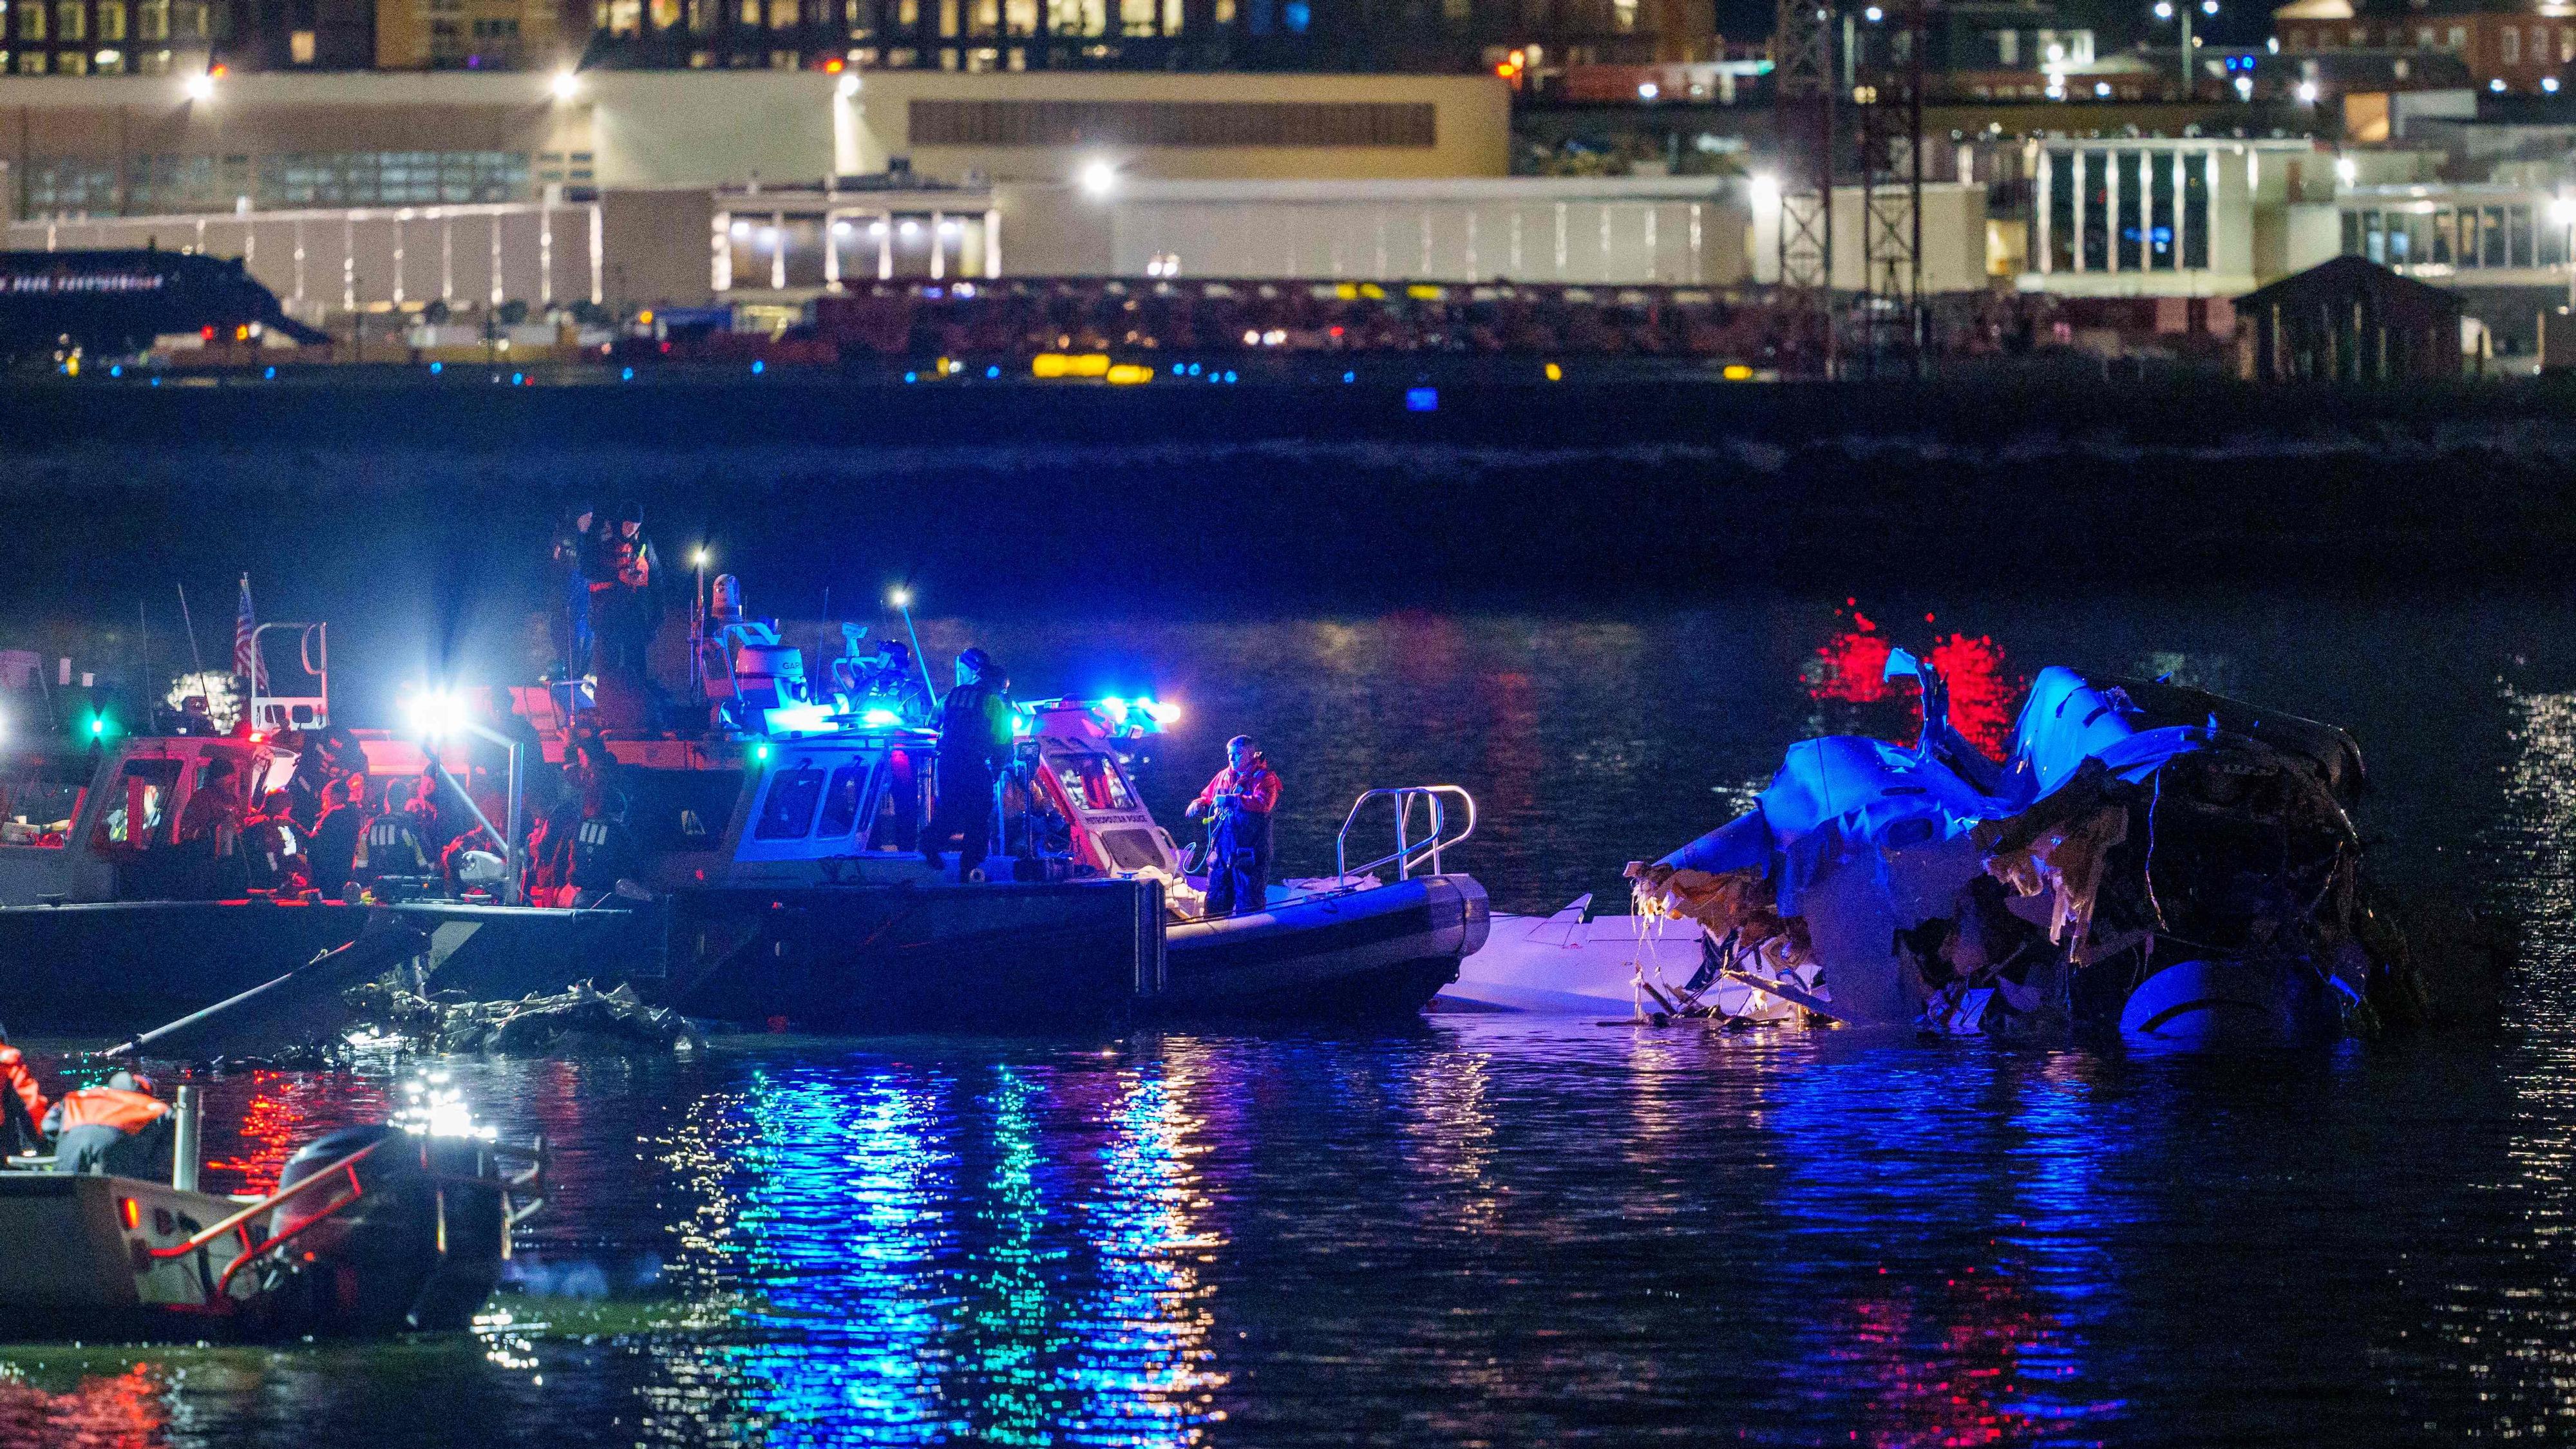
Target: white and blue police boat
777,882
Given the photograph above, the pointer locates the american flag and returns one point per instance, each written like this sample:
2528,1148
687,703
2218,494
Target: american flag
246,660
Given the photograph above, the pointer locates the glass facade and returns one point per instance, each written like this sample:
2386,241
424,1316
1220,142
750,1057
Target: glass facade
167,184
2456,234
2110,209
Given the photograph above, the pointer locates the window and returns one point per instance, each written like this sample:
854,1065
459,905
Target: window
152,20
75,62
787,813
39,800
2457,38
1171,123
1091,783
71,21
111,19
135,815
2509,45
31,63
31,20
782,14
1130,849
841,801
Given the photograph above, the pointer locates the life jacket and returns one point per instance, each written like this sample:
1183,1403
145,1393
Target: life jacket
127,1112
16,1077
394,848
602,852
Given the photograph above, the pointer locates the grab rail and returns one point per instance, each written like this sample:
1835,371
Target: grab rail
1407,854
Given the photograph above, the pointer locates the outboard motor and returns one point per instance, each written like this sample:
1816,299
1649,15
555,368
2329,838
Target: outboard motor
412,1236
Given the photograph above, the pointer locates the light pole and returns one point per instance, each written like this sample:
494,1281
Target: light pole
2563,211
698,629
441,713
2180,11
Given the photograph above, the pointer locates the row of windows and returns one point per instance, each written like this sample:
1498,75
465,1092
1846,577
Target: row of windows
950,19
151,185
2510,47
82,62
74,21
1170,123
2466,237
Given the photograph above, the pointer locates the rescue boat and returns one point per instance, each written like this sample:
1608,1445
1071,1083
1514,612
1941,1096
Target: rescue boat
371,1230
780,879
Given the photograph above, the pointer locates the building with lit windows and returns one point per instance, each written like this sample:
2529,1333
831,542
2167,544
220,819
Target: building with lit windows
2522,46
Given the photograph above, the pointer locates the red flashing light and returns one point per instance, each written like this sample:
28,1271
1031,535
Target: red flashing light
206,334
131,1211
834,66
257,737
219,70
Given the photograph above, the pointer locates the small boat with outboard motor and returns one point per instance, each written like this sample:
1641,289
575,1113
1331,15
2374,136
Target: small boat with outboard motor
778,877
374,1229
2149,859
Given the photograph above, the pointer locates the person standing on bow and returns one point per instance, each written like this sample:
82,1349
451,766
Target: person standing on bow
1237,806
974,745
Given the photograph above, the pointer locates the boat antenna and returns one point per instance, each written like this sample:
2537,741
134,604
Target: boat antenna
901,598
191,625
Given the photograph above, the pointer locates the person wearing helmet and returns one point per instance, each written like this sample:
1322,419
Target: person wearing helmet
120,1129
974,745
603,849
1237,805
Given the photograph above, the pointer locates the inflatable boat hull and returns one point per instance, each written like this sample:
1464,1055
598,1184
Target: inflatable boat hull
1382,951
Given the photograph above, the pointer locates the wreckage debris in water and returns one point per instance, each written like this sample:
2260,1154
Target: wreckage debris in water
579,1021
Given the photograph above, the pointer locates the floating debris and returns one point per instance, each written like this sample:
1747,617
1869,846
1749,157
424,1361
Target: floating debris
581,1021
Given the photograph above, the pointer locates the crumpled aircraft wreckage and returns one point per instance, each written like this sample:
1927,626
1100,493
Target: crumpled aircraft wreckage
2148,857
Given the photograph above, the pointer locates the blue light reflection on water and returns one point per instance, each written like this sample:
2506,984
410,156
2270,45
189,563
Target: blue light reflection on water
1004,1256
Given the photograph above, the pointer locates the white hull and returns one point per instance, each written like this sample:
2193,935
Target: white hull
1565,965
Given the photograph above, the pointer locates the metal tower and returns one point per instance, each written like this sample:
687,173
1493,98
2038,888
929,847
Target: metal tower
1803,84
1889,319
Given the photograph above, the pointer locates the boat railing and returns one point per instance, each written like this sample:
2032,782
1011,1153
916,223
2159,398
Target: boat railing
1411,851
342,1177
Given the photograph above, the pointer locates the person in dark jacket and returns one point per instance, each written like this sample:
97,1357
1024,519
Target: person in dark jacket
604,850
269,845
571,548
395,849
120,1129
210,831
1237,805
974,745
336,837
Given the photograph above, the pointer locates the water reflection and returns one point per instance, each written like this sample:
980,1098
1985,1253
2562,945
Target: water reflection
1941,1313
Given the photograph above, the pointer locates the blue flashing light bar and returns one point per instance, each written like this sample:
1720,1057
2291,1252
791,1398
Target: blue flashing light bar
1422,399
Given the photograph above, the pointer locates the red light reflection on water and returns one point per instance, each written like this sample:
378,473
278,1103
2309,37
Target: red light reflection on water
280,1112
106,1411
1850,668
1976,1364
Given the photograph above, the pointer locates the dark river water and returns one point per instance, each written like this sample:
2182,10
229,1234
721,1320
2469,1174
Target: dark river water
1499,1230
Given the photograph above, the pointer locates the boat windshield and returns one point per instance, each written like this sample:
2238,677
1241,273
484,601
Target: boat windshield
141,803
787,811
40,798
1091,782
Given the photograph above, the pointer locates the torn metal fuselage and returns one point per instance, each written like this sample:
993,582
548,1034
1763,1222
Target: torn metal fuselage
2149,858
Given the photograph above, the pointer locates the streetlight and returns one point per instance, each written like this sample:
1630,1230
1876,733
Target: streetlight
565,85
2181,13
1099,178
438,713
200,87
2562,210
698,627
